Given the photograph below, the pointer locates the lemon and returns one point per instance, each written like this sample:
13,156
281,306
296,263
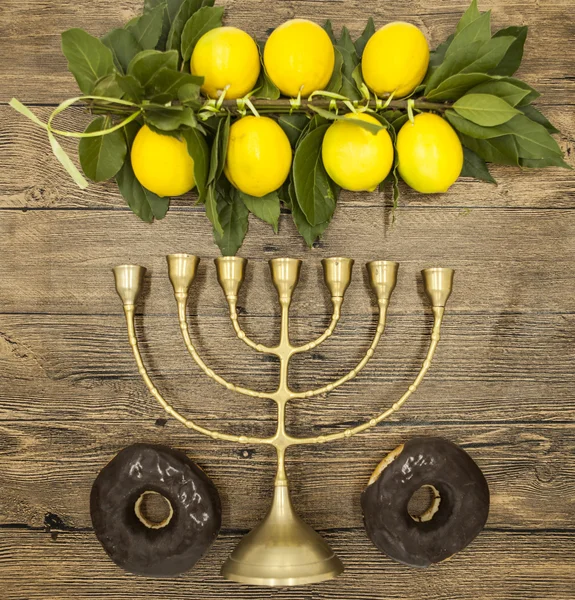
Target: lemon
259,156
355,158
162,164
430,156
395,59
226,57
299,56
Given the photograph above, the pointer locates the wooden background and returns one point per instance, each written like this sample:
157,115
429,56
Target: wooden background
502,385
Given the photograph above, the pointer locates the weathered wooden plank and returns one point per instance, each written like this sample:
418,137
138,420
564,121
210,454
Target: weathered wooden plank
494,369
31,35
44,183
74,566
506,260
49,467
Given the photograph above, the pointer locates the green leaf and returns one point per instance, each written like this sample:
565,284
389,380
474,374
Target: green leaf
512,94
456,86
533,140
470,15
146,64
102,157
166,83
452,65
143,203
466,47
200,153
471,129
310,233
485,109
476,30
398,123
189,93
532,93
147,28
329,30
550,161
202,21
266,208
172,6
501,150
178,20
364,37
293,126
170,118
350,61
123,46
133,89
538,117
265,87
489,55
211,203
312,185
474,166
512,59
336,80
219,149
109,87
88,58
437,56
233,216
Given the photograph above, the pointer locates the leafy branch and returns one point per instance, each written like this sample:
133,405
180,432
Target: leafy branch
140,74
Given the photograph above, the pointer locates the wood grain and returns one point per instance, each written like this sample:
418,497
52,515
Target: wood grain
502,259
531,486
74,565
502,384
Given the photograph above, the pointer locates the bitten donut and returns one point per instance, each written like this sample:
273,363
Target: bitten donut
133,542
457,514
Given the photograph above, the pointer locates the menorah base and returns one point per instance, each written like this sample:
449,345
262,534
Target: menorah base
282,550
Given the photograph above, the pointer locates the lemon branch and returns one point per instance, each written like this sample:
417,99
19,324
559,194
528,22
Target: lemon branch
284,105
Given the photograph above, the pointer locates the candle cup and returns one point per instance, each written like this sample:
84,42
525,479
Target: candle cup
182,269
129,280
230,272
337,275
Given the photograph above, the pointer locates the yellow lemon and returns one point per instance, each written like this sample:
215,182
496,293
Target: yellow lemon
259,156
395,59
299,56
162,164
355,158
226,57
429,153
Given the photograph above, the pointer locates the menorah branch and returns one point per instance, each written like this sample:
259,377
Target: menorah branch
129,280
129,312
182,318
336,314
353,373
435,337
241,334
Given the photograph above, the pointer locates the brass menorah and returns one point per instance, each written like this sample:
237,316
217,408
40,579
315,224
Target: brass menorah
282,550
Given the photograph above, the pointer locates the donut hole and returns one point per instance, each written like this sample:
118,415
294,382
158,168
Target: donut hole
153,510
424,503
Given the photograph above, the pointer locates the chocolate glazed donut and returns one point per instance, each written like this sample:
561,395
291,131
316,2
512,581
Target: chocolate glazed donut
133,542
458,512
